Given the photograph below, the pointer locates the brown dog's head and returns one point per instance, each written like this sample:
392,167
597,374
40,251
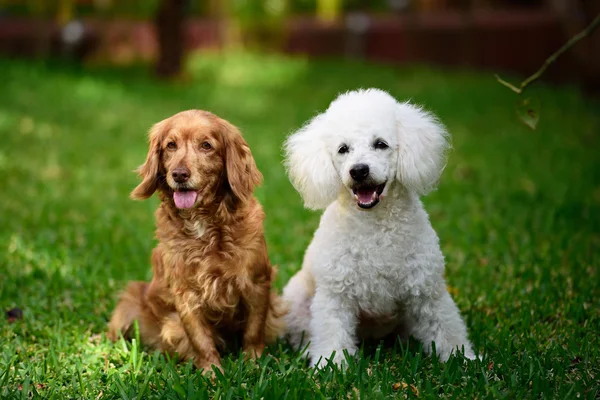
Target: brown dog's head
195,155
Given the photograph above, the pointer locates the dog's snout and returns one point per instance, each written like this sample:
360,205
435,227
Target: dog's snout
180,175
359,172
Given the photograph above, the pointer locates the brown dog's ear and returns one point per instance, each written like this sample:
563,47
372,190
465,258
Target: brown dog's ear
149,170
242,173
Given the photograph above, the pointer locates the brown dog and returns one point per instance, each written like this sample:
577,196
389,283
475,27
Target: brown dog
212,275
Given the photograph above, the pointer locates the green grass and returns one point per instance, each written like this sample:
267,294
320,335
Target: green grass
517,213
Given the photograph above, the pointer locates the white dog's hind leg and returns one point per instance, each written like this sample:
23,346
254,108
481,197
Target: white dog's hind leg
439,321
333,328
298,294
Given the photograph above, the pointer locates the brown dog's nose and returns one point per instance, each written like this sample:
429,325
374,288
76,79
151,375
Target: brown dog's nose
180,175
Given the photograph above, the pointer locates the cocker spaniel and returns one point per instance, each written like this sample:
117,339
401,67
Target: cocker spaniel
211,272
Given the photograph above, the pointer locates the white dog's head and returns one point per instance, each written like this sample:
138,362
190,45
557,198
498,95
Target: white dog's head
360,145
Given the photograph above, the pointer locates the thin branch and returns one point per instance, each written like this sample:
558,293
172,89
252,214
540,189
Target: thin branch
508,84
584,33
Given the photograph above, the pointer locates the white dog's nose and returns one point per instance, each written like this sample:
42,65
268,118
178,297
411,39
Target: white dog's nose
359,172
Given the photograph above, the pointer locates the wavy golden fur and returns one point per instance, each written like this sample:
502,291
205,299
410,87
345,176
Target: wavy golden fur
211,272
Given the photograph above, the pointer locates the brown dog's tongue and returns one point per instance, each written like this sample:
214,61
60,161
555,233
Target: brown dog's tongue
185,198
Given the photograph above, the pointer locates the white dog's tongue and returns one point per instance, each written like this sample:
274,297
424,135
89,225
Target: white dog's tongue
366,195
185,198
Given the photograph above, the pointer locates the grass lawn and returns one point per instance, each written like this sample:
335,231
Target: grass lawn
517,212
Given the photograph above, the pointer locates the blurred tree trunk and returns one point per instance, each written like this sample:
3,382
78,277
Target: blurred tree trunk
169,29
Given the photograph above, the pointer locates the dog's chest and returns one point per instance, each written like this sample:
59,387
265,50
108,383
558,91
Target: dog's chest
369,265
376,290
374,280
195,228
219,295
206,280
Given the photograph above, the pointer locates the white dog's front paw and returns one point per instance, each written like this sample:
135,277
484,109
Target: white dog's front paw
338,359
472,356
468,354
317,362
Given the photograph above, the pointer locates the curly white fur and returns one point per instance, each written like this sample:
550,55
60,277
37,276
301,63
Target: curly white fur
370,272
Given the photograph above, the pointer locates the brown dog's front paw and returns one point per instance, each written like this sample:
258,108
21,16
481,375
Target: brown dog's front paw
112,335
253,352
208,370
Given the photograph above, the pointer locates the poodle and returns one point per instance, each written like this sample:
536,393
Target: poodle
374,266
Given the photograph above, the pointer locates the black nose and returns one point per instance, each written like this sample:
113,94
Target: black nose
359,172
180,175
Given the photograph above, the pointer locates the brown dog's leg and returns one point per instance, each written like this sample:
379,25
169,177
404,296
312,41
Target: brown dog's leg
158,295
158,298
199,332
254,333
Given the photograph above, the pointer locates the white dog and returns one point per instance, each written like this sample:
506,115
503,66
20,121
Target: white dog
374,264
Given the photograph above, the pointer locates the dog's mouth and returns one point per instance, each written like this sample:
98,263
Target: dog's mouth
185,198
368,196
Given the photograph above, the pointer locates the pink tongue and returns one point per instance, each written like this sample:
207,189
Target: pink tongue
365,196
185,199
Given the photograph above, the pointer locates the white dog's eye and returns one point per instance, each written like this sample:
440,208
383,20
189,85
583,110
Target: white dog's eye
343,149
380,144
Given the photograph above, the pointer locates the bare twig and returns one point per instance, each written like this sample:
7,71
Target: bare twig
586,32
509,85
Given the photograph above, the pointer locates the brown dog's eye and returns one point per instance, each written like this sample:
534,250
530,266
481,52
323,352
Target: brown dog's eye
172,146
206,146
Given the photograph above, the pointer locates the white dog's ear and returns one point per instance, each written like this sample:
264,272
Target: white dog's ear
423,143
310,167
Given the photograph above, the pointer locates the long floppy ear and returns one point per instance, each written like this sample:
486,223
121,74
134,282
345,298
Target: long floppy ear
149,170
310,167
423,143
242,173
